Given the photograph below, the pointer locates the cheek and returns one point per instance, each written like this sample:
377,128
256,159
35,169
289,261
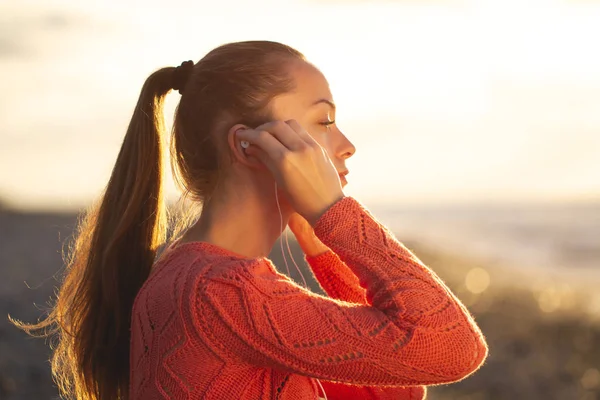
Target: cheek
325,141
317,132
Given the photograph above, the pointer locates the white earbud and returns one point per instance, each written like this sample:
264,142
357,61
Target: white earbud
245,144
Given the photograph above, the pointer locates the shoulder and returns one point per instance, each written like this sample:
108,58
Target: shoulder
203,275
207,268
258,273
255,279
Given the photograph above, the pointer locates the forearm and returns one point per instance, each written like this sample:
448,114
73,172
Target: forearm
341,391
332,274
311,245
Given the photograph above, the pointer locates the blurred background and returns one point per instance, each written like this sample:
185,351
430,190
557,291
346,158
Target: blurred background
477,127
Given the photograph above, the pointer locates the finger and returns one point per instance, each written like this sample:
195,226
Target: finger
300,131
260,155
264,148
264,140
287,135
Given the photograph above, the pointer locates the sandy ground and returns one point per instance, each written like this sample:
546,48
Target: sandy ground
543,329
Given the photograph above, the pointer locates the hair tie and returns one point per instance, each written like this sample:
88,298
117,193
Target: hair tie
181,75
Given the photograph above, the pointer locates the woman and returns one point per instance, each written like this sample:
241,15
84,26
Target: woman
254,141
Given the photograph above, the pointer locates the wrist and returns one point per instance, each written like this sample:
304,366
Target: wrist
311,245
312,219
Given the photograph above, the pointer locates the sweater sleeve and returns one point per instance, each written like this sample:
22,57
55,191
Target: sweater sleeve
413,331
339,282
336,278
342,391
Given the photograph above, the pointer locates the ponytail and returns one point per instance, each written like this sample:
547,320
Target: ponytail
116,243
110,259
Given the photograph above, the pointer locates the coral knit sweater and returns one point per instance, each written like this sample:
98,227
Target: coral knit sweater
213,324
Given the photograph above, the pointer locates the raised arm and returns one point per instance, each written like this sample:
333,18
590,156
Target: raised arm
336,278
339,282
413,331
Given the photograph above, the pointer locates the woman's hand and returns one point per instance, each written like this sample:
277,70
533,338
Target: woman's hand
298,163
305,235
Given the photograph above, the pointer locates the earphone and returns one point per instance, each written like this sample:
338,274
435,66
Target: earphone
245,144
291,256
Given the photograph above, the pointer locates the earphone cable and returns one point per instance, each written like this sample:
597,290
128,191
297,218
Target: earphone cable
292,257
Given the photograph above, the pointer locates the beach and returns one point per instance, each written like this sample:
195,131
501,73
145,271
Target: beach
542,324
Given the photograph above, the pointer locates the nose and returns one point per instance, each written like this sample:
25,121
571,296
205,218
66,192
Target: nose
345,148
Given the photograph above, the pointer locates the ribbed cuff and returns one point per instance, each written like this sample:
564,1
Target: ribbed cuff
320,259
336,216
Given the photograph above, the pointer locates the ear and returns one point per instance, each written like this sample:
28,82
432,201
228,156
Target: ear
239,153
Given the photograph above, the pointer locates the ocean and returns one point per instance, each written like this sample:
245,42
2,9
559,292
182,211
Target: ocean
548,236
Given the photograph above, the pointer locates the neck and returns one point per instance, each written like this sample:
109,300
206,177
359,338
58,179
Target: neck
244,220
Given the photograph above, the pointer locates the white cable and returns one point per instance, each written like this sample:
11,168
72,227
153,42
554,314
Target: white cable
323,390
287,242
294,261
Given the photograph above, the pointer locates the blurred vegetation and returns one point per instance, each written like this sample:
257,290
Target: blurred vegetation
544,338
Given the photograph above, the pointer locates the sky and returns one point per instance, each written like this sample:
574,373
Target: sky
446,101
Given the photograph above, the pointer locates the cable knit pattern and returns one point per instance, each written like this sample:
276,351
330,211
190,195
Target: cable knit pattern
212,324
339,282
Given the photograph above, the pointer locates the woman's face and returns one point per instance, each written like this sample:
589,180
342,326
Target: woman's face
311,104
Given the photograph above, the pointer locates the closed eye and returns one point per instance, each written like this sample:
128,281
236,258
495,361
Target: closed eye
327,123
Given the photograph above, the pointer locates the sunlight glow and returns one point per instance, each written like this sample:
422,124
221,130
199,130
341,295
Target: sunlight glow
453,101
477,280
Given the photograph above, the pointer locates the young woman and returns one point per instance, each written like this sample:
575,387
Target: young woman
256,143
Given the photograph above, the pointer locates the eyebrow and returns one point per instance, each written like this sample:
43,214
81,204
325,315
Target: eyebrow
328,102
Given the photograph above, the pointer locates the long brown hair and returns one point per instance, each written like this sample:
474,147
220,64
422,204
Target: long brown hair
117,240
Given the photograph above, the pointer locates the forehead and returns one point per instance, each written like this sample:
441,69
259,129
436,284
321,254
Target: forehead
310,86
